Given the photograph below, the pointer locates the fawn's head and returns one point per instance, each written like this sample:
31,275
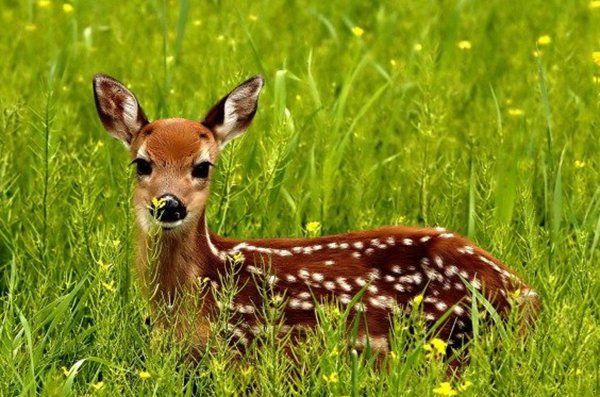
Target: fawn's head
173,157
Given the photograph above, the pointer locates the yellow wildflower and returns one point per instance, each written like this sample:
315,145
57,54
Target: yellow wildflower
253,17
594,5
445,389
238,257
579,164
465,385
393,63
417,299
596,57
578,372
313,227
44,3
358,31
158,203
537,54
544,40
246,372
418,47
65,371
596,79
515,112
464,45
67,8
30,27
97,385
332,378
109,286
144,375
197,22
436,348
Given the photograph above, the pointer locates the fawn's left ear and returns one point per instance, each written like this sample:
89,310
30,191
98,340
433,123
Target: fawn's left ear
232,115
119,110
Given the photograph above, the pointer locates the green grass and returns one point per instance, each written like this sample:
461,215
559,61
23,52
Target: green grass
352,132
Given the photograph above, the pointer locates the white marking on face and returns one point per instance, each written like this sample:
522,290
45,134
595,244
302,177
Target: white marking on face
329,262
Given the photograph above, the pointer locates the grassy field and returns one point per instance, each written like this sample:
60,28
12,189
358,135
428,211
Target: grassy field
483,117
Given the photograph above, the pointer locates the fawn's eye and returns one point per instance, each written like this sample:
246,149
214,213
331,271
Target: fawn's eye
143,167
201,170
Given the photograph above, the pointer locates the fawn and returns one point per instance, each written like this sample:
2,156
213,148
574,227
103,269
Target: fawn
390,266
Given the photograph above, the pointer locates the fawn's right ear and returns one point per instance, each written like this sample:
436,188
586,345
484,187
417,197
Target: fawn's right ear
118,108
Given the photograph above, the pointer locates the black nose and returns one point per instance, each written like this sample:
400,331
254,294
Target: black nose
168,208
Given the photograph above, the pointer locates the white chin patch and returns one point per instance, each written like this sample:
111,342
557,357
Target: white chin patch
171,225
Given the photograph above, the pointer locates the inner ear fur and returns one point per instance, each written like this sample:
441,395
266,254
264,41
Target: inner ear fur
118,108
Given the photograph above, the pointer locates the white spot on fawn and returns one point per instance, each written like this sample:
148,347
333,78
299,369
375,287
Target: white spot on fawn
254,270
446,235
356,255
303,273
329,262
318,277
343,284
344,246
330,285
290,278
390,241
407,241
396,269
333,245
425,239
389,279
358,245
360,281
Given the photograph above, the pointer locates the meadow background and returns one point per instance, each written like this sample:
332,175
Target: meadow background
483,117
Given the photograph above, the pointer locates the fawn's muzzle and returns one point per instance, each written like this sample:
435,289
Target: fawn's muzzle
169,209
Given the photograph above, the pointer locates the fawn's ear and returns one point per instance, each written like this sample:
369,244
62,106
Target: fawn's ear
231,116
118,108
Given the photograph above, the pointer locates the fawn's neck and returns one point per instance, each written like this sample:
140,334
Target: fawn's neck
173,262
